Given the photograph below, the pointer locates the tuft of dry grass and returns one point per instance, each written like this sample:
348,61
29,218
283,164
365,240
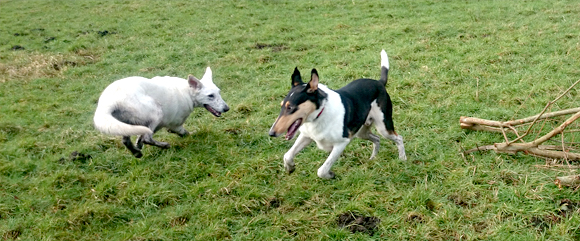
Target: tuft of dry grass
33,65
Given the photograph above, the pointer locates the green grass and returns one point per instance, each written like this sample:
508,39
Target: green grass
491,59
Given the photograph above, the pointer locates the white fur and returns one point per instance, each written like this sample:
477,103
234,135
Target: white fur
326,129
384,59
163,102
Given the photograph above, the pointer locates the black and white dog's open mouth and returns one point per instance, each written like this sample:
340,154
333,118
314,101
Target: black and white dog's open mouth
293,128
212,110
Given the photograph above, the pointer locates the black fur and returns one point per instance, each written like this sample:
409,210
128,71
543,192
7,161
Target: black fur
299,93
356,97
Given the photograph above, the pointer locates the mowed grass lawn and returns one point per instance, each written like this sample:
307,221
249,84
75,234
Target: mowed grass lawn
60,179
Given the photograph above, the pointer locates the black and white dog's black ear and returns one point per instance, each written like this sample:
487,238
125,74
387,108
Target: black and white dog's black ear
296,79
313,84
194,82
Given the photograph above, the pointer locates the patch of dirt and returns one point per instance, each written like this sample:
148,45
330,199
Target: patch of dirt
233,131
461,201
244,109
60,65
17,47
358,223
105,33
49,39
431,205
509,178
415,218
274,47
31,65
179,221
8,131
11,234
274,202
567,207
479,227
76,156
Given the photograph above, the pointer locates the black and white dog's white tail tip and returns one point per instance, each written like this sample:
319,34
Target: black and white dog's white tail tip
384,67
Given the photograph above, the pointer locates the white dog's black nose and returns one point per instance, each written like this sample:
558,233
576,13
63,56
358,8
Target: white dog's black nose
226,108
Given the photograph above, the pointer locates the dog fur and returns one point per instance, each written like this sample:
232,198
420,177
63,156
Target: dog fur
332,118
141,106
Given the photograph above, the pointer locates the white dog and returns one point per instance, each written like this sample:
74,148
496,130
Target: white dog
141,106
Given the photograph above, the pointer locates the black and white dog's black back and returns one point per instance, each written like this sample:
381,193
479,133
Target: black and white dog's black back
332,118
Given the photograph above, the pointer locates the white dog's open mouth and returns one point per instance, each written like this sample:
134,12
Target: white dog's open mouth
293,128
212,110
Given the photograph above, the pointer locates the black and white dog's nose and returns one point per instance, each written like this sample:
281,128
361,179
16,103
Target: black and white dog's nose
272,133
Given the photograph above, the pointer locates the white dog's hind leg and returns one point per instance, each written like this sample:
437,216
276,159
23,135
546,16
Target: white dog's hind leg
301,142
148,139
135,151
324,170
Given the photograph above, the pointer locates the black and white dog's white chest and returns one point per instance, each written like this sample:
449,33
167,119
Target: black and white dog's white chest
332,118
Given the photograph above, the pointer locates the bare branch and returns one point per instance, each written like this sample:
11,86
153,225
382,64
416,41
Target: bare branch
570,181
534,147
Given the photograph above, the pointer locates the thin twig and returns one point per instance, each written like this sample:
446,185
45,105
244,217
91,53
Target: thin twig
543,111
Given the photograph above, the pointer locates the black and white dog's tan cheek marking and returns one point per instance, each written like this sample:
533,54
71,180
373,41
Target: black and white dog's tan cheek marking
332,118
141,106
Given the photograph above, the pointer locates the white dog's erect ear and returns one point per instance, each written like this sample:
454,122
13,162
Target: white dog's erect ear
194,82
208,75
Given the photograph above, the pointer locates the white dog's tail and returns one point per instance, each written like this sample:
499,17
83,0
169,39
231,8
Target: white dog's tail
384,67
106,123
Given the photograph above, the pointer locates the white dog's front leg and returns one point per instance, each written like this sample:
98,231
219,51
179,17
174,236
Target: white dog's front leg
301,142
182,132
324,170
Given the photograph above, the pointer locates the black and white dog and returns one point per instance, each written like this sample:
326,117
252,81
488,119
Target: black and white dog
332,118
141,106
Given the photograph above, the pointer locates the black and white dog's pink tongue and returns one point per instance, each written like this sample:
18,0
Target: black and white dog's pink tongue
292,129
211,110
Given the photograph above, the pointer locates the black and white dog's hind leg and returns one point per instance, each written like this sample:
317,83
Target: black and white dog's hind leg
383,124
366,134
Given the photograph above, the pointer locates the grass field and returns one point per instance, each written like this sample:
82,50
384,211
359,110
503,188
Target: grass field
60,179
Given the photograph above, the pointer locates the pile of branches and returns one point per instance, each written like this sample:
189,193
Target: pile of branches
537,147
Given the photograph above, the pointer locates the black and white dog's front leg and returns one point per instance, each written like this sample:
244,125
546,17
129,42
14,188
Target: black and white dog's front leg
324,170
301,142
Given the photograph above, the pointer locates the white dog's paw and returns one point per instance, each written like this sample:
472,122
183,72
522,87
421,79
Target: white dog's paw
289,168
325,174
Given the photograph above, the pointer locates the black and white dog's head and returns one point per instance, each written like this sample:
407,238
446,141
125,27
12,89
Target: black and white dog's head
302,100
206,93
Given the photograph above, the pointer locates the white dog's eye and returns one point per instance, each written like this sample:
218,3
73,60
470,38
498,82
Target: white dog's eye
211,96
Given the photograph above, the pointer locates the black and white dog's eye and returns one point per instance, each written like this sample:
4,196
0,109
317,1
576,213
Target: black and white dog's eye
211,96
